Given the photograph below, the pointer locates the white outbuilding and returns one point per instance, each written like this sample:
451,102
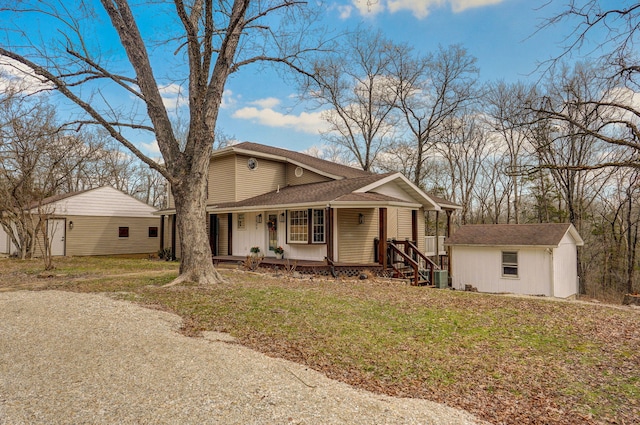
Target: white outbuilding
531,259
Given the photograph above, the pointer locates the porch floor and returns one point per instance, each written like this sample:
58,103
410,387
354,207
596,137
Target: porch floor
305,266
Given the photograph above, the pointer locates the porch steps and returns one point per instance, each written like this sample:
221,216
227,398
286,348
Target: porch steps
406,272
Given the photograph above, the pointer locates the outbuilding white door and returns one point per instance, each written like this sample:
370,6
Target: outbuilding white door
56,229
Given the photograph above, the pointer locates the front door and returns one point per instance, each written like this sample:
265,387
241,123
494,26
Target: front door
272,231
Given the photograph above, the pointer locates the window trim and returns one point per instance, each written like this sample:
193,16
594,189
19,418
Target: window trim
310,214
155,230
322,226
511,265
294,215
241,221
123,232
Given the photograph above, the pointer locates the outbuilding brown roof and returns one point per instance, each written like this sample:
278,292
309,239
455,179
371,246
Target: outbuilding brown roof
544,234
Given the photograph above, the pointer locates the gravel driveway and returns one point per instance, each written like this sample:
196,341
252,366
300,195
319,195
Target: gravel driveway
69,358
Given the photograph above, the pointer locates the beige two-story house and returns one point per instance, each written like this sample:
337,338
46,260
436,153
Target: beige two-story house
315,210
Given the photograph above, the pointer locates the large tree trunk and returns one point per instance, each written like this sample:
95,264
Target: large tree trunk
196,264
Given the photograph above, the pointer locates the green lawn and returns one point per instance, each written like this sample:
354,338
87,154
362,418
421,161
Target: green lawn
505,359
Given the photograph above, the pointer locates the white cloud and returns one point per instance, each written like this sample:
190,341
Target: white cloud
20,77
345,11
170,89
306,122
150,148
369,7
267,103
173,96
462,5
228,100
419,8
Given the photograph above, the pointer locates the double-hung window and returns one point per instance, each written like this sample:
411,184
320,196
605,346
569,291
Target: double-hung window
298,226
306,226
317,230
510,263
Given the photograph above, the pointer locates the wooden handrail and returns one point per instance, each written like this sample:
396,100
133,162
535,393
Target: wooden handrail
407,259
421,255
411,251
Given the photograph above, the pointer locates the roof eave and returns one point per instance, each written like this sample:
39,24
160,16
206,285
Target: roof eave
575,235
421,195
487,245
306,205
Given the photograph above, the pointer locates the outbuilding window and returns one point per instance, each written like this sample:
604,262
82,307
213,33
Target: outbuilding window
123,232
510,263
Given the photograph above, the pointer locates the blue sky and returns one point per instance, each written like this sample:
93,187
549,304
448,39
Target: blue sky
501,34
259,106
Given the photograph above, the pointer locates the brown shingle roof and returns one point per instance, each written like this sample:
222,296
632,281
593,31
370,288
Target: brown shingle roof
308,160
444,203
335,190
545,234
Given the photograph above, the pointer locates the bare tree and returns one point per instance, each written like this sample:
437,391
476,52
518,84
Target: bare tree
213,39
331,152
569,152
619,75
38,160
355,84
400,157
505,107
464,149
26,130
430,90
492,188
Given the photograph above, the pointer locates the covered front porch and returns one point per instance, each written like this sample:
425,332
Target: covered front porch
332,241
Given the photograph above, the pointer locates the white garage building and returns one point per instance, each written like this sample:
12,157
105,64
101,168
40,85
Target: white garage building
532,259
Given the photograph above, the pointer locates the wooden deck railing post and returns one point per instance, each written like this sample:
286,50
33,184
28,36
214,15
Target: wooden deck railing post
382,234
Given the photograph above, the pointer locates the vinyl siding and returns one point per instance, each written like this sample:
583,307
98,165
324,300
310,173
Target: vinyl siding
254,234
222,180
394,190
482,268
565,261
223,234
355,244
265,178
167,231
306,177
170,202
422,245
99,236
392,223
5,242
404,224
103,201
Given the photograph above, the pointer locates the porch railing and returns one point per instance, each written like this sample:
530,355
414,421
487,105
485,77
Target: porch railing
407,261
430,245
